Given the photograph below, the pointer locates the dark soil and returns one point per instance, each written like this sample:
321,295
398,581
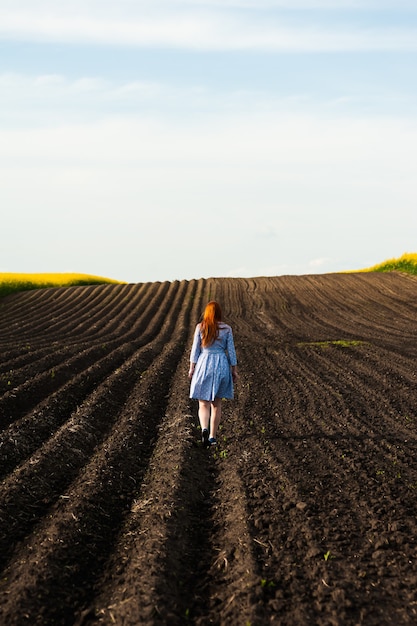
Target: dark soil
111,512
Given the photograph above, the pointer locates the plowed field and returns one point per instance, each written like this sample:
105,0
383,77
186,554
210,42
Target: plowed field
111,512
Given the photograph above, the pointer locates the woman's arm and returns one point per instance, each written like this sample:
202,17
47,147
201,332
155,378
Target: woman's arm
230,347
191,370
195,351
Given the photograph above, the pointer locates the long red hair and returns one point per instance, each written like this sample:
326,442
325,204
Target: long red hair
209,326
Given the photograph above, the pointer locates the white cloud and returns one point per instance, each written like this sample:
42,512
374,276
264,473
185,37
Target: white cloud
58,88
139,7
254,146
334,5
319,263
54,101
266,141
201,27
265,178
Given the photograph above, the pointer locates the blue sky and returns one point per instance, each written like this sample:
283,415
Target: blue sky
161,140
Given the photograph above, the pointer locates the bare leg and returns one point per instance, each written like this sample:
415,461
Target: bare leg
216,413
204,413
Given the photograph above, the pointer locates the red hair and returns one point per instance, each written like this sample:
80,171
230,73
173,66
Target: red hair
209,326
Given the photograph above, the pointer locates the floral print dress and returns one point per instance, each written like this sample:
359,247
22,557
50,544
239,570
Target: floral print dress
212,376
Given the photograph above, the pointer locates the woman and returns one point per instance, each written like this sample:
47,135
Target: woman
213,369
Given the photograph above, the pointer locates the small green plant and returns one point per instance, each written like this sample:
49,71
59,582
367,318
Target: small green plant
223,454
341,343
265,583
328,555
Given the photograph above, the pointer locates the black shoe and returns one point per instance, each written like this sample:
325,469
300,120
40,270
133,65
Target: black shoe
212,441
205,438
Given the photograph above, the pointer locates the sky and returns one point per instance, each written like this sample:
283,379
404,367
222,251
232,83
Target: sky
152,140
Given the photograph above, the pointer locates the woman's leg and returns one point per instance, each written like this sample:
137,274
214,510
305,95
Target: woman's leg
204,413
216,413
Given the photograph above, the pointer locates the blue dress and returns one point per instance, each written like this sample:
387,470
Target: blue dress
212,376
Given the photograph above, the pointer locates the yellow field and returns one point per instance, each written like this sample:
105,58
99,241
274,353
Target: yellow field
405,263
15,281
